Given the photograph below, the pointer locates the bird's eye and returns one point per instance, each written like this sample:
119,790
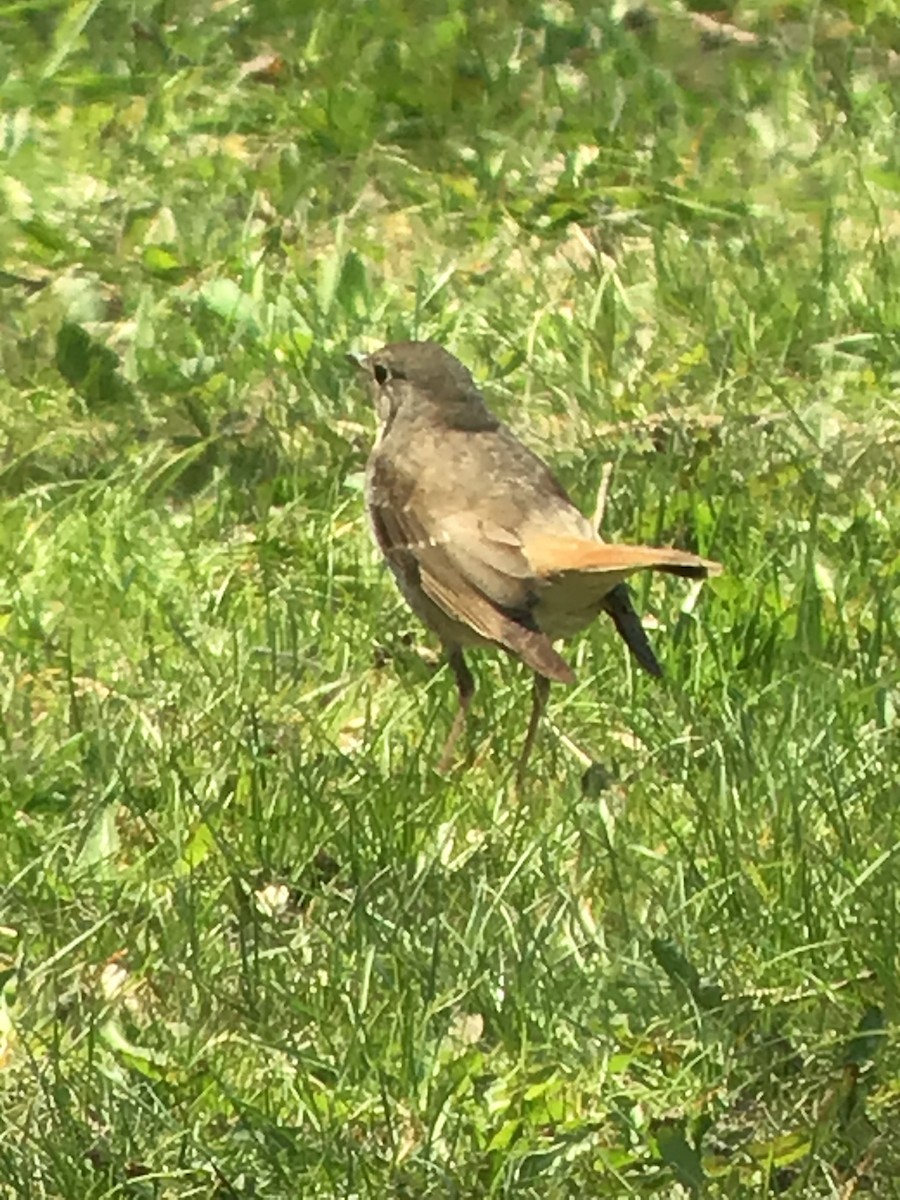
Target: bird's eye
382,374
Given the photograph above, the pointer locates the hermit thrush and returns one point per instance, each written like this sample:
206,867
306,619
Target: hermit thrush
485,545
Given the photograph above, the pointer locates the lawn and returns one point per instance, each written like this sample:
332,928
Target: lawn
251,943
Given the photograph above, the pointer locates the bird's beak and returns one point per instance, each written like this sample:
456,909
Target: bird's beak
360,361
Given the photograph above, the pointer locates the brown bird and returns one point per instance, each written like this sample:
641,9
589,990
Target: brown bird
485,545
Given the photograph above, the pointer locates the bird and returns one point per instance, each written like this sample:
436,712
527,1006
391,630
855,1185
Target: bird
484,542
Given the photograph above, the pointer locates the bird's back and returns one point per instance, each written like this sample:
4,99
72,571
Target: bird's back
490,475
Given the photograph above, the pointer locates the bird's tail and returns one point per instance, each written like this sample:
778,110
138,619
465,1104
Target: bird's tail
618,604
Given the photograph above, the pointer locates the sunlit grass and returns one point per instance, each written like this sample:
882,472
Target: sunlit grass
250,943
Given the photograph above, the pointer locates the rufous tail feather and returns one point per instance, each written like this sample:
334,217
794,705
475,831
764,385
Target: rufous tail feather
551,555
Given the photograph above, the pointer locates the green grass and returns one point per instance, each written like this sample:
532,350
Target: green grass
251,945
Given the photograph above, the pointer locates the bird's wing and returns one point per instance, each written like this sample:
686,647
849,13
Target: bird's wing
560,582
508,579
515,568
459,575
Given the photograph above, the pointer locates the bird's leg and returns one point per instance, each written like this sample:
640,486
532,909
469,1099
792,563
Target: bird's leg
465,686
539,696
